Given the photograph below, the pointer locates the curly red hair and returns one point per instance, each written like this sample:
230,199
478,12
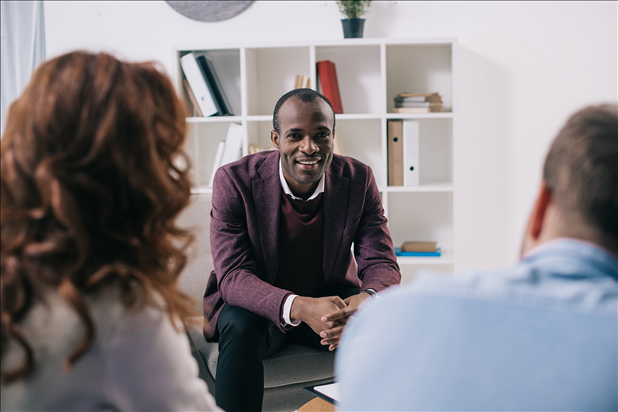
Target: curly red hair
90,190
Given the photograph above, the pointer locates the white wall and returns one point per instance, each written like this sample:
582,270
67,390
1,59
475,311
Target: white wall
523,68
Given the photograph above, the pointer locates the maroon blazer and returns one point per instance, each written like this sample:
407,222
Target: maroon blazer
244,235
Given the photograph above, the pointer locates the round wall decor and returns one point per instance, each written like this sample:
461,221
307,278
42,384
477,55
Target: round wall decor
209,10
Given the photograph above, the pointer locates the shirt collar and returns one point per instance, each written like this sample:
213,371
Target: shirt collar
287,190
544,245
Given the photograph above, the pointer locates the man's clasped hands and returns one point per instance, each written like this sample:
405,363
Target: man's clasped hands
327,316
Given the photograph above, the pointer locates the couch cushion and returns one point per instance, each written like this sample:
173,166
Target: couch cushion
196,217
292,364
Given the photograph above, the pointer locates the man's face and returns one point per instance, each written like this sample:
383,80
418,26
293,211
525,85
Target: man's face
305,143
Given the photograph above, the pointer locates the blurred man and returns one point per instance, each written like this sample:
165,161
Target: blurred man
539,336
282,225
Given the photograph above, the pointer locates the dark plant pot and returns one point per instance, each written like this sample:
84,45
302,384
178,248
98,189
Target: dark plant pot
353,28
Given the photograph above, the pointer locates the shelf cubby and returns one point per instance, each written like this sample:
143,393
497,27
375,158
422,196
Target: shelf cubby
226,63
359,142
436,224
359,76
419,68
271,72
258,133
201,146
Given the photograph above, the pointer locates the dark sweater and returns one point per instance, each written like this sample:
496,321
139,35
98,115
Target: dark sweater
301,246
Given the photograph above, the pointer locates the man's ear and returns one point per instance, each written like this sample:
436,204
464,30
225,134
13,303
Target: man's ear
537,218
274,137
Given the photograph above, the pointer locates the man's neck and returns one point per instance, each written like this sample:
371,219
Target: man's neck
304,192
559,225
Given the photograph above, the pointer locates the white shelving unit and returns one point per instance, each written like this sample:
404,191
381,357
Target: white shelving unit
370,73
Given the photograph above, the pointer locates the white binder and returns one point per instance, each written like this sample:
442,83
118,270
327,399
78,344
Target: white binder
233,144
217,163
410,153
197,81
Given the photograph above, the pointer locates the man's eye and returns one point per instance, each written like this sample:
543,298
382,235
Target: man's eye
293,136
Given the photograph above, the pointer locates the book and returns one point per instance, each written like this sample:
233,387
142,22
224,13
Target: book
302,82
426,95
198,84
214,85
417,246
430,109
437,253
338,143
411,153
217,162
191,96
395,152
330,86
418,104
233,144
419,99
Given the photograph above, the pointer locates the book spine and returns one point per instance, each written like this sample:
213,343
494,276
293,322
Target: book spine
436,98
301,82
214,86
201,63
429,109
191,96
437,253
395,152
233,144
418,104
198,84
330,86
410,153
217,162
222,95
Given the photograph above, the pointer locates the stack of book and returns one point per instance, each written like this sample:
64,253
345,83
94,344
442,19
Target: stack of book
203,87
415,248
418,103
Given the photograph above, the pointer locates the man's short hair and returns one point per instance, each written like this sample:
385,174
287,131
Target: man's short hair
305,96
581,168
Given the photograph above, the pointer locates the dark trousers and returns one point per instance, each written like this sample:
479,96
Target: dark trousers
244,340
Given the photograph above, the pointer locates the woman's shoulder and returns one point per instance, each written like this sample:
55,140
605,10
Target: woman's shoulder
138,358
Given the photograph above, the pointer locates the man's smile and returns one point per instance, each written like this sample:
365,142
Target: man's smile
308,164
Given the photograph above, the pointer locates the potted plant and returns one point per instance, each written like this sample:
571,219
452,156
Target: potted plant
353,10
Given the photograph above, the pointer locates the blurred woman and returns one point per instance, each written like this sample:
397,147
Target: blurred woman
90,252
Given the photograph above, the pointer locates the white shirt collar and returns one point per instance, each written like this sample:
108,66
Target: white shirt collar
287,190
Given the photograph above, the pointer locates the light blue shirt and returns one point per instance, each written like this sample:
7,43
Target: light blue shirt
542,336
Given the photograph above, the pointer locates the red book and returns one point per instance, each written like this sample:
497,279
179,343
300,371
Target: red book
330,86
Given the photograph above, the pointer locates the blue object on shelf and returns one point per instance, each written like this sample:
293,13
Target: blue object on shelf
398,252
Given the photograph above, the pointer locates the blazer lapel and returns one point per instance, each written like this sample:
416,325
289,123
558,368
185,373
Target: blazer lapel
335,213
267,201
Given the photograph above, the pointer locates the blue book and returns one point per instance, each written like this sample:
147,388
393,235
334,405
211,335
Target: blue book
398,252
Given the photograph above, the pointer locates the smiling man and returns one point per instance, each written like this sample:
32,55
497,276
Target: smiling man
282,228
